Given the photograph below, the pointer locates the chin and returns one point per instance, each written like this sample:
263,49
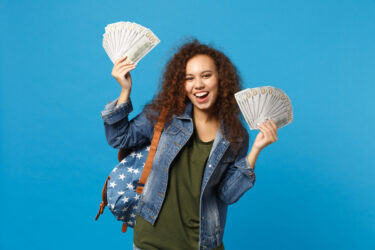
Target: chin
203,106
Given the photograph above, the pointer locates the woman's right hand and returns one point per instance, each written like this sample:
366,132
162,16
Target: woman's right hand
121,72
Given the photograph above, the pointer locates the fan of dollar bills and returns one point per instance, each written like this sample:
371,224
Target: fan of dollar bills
128,39
262,103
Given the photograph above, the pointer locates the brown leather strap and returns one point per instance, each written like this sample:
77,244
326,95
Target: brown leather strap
124,227
104,199
120,154
150,158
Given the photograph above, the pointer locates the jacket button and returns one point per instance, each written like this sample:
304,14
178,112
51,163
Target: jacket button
202,218
250,173
161,194
204,247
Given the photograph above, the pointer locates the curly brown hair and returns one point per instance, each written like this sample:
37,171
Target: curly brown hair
172,95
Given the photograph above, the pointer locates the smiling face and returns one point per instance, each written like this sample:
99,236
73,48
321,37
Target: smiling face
201,82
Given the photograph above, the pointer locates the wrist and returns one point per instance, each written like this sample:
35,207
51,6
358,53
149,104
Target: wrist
124,97
125,91
255,149
252,156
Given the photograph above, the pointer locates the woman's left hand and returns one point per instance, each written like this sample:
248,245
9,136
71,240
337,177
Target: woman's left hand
266,135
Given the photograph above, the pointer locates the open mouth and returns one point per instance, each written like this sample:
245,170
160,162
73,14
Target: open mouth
201,95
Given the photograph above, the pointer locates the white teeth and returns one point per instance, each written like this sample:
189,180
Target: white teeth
201,94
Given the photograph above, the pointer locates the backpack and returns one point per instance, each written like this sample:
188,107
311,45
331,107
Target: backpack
124,186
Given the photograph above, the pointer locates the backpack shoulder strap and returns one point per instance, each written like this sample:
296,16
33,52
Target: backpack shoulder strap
150,158
104,202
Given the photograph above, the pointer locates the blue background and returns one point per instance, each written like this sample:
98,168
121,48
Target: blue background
315,185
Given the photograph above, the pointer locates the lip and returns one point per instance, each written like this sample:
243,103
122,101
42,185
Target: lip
202,100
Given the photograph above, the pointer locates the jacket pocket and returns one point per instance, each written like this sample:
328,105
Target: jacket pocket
172,129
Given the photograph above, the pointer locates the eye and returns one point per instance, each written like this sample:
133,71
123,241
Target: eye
188,78
207,75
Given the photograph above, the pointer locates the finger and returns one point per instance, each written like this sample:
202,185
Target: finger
269,138
120,59
269,134
126,70
265,132
121,72
264,126
124,64
261,131
274,127
127,66
118,68
273,124
265,136
271,129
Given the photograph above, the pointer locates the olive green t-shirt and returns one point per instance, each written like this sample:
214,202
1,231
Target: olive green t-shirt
177,226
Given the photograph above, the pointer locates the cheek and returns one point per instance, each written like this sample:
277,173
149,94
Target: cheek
214,94
188,88
214,83
215,87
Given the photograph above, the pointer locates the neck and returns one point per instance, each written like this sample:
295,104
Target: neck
204,117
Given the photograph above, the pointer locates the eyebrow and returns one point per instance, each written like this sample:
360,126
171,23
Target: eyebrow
206,71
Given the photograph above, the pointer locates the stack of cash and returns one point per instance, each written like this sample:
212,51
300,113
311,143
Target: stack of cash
128,39
262,103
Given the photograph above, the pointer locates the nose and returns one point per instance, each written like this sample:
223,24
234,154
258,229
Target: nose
198,83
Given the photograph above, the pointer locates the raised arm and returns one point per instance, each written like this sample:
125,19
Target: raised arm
119,131
122,133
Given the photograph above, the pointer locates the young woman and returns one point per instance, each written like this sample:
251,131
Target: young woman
201,164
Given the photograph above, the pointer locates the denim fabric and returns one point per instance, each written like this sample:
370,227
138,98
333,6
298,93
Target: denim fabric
226,177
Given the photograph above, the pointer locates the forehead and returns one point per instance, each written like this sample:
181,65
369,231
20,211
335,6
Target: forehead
200,63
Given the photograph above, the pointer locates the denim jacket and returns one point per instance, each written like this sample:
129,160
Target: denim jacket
225,179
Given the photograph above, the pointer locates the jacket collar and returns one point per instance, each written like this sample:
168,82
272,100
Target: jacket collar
188,113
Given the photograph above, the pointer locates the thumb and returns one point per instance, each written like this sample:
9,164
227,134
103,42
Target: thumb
261,135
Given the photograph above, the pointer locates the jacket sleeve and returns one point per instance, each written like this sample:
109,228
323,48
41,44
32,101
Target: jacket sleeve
238,178
122,133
